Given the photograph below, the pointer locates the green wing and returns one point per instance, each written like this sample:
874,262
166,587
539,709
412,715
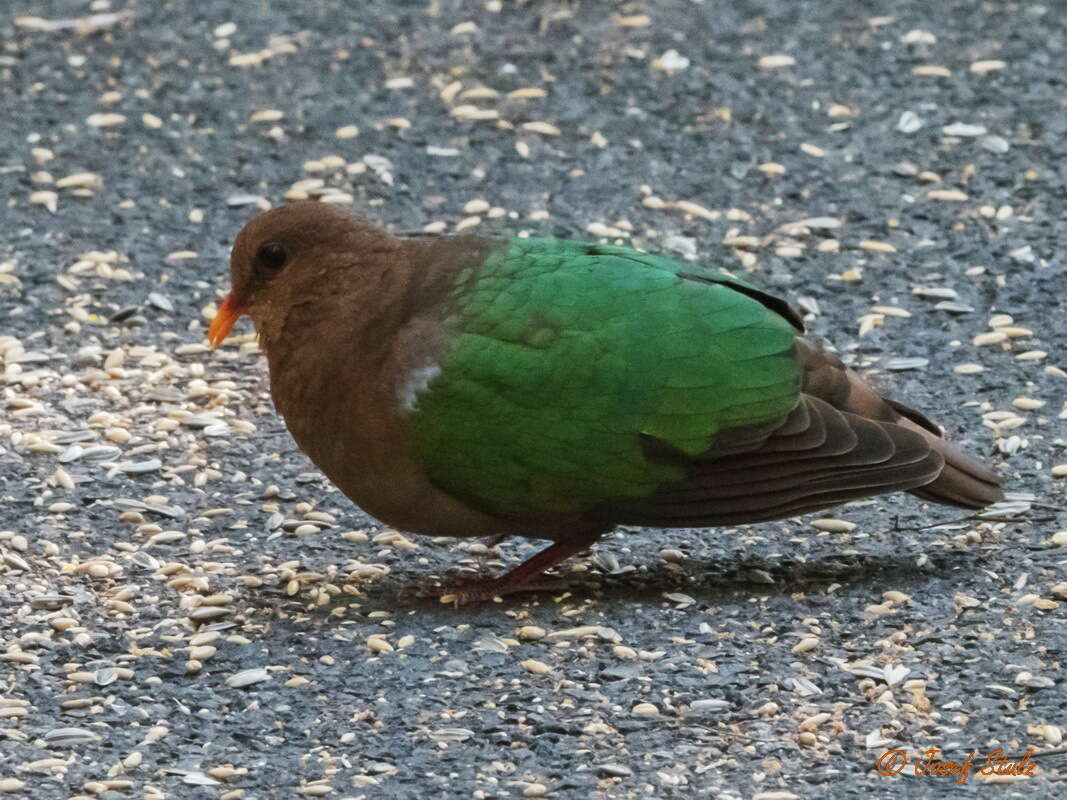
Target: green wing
563,360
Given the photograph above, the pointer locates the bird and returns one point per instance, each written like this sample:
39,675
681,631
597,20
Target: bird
554,389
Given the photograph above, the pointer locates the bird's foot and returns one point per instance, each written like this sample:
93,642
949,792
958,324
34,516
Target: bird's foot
483,588
527,576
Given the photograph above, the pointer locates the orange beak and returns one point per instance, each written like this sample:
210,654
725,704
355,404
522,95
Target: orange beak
229,312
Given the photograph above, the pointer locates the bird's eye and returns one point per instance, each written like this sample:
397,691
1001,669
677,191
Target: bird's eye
272,257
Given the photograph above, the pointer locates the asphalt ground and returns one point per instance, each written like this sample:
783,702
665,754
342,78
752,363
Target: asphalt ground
189,610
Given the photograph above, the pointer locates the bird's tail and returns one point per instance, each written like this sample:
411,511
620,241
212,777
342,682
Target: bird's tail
963,481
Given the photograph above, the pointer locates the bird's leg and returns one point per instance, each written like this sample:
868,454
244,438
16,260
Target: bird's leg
525,576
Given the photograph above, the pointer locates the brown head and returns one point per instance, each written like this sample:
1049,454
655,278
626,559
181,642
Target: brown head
283,258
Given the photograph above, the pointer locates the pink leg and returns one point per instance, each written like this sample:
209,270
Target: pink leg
525,576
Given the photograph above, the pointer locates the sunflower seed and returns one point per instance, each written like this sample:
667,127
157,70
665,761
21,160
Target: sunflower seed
50,602
68,737
491,644
75,436
145,560
953,307
452,734
938,292
909,122
994,144
606,561
101,452
247,677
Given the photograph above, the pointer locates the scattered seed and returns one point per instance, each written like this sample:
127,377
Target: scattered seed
104,120
831,525
1031,355
206,613
527,93
671,62
267,115
48,199
776,61
964,129
902,364
948,195
469,112
247,678
378,644
69,737
543,128
932,71
992,337
909,122
695,210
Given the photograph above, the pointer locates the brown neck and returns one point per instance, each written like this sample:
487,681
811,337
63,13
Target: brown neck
346,345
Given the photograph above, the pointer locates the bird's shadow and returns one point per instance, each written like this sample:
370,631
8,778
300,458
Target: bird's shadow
711,582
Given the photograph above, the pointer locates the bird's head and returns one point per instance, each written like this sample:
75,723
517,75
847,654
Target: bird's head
283,257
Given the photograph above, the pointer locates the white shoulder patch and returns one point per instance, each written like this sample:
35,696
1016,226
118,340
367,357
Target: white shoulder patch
415,383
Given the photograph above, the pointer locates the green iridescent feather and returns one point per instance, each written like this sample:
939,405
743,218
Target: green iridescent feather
562,354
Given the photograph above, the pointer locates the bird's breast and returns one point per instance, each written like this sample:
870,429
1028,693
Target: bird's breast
355,432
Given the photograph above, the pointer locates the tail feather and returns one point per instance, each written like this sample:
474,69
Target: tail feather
963,481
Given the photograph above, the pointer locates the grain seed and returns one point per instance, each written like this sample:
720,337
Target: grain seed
985,67
544,128
104,120
947,195
932,71
992,337
831,525
776,61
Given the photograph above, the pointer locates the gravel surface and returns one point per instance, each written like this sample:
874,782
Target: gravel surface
188,610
